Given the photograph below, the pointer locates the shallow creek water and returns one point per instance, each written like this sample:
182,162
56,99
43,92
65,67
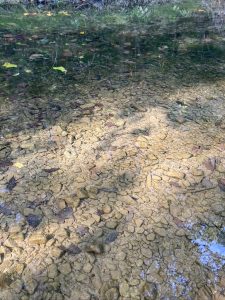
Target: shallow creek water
112,168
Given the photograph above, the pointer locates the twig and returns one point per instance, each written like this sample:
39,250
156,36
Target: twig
199,190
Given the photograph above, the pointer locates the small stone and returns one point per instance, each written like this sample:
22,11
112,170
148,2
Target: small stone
64,268
27,211
72,249
130,228
65,213
160,231
33,220
120,256
180,119
221,183
175,174
197,172
64,133
180,232
138,222
221,169
82,193
133,281
106,209
183,155
87,268
146,252
139,262
150,237
112,294
116,274
98,232
139,230
110,236
124,290
52,271
95,248
37,238
31,285
111,224
56,252
73,201
61,204
149,291
14,228
10,243
92,191
222,281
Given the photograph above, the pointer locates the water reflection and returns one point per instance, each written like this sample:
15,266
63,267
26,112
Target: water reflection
212,251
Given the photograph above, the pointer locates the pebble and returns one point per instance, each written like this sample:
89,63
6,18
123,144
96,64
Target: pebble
106,209
120,256
175,174
87,268
37,238
95,248
130,228
160,231
146,252
124,290
64,268
111,224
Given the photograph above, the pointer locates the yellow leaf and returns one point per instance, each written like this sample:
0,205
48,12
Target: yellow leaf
8,65
18,165
61,69
27,71
64,13
82,33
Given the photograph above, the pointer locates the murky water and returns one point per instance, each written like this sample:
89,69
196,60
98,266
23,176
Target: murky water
112,165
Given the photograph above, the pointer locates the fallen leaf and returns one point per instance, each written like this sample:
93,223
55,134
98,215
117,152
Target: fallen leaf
33,220
18,165
11,184
221,183
8,65
51,170
72,249
210,164
5,163
65,213
64,13
27,71
5,209
61,69
36,56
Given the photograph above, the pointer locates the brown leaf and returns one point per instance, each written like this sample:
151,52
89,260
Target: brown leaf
210,164
72,249
5,163
11,184
51,170
221,183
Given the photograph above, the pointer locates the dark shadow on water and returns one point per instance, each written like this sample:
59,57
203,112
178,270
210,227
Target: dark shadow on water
35,96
